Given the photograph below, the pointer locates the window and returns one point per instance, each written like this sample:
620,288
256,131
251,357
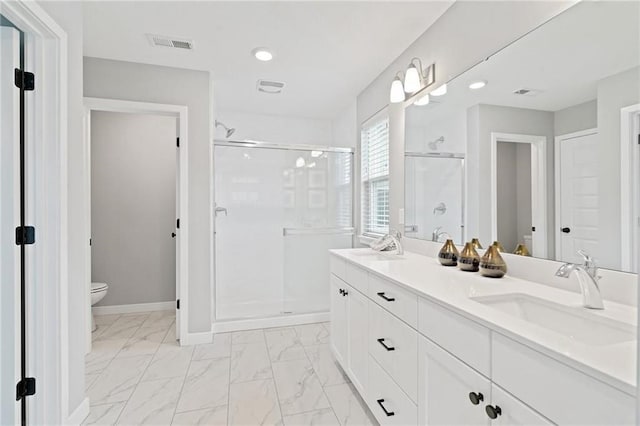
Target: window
374,139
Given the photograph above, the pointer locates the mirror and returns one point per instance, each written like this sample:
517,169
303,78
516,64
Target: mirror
545,132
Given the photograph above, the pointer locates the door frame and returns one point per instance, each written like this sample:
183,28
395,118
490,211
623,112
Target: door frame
557,184
629,186
538,185
46,52
180,112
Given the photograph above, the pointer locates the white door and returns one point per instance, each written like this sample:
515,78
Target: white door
338,319
446,387
578,199
357,323
512,412
9,220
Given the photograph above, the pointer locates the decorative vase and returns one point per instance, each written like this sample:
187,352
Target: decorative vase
521,250
498,246
476,244
448,255
492,264
469,258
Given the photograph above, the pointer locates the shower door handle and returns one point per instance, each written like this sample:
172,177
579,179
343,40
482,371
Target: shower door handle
220,210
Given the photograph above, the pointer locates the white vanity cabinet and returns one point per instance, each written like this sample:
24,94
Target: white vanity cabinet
349,329
418,361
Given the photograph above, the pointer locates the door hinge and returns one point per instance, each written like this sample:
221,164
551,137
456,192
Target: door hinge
25,235
178,142
177,223
25,387
178,304
25,80
533,229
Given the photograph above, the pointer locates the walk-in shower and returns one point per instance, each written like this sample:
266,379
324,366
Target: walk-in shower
280,209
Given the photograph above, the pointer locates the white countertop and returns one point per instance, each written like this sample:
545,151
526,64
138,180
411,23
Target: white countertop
449,286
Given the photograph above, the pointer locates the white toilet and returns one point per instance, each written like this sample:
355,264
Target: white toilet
98,291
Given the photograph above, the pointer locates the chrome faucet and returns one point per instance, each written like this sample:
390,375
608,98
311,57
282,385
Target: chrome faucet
396,237
436,234
587,278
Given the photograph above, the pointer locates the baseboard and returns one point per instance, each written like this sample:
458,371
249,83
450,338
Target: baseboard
136,307
281,321
79,414
196,338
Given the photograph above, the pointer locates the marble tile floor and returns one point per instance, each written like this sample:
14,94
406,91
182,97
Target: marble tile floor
137,374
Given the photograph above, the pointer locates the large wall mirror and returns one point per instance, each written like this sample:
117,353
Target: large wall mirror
538,145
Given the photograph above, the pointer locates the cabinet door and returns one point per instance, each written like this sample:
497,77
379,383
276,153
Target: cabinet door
444,385
512,411
357,324
339,320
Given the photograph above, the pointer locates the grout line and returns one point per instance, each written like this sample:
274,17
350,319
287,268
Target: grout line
273,377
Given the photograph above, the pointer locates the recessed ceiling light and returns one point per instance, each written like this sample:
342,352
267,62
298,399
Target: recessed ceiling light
477,85
262,54
439,91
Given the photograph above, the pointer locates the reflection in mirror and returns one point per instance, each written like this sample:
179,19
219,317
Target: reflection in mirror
549,137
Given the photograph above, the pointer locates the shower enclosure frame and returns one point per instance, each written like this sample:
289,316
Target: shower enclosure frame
229,325
455,156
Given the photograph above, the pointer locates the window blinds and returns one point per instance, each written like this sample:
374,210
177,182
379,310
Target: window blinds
375,175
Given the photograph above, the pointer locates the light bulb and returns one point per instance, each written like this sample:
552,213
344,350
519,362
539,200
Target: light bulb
412,80
300,162
424,100
397,91
439,91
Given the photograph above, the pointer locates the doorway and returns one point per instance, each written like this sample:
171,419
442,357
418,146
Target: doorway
136,208
576,195
524,177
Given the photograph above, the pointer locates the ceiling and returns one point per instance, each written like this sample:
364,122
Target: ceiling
564,61
326,52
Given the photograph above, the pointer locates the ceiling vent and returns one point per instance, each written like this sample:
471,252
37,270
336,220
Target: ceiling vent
527,92
271,87
173,42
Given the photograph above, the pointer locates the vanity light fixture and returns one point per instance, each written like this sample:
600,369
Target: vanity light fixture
316,154
300,162
396,94
262,54
477,85
439,91
415,79
423,100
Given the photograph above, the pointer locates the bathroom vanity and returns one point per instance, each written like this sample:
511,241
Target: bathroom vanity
428,345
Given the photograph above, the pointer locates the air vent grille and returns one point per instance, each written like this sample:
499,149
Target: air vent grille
527,92
172,42
268,86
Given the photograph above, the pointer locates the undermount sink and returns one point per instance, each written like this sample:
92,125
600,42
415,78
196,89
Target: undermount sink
375,255
575,323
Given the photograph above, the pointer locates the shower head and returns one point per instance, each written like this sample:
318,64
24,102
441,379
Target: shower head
229,130
433,145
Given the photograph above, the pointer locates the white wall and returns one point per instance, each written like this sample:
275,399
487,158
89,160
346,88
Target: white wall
575,118
274,128
69,16
614,93
345,129
492,118
133,206
448,43
149,83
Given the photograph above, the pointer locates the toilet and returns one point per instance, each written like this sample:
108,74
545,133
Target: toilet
98,291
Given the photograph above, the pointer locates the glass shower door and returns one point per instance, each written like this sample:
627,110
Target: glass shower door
278,212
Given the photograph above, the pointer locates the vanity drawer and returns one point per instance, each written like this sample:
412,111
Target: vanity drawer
557,391
338,266
395,346
464,338
357,277
385,397
400,302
